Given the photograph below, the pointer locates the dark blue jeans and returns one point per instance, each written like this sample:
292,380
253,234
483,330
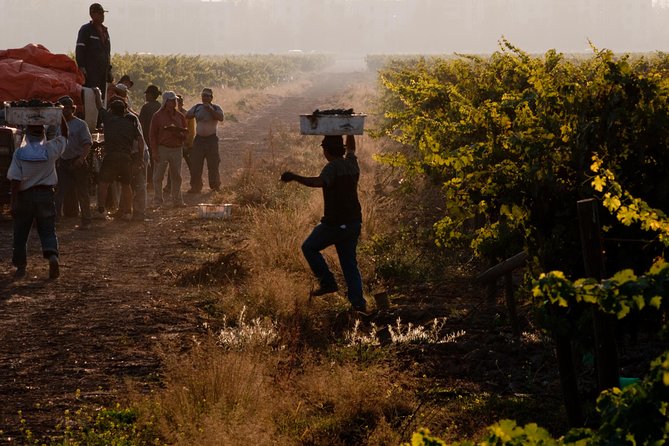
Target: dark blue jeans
34,204
345,240
205,148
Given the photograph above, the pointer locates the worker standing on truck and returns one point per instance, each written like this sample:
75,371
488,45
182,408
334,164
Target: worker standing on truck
93,51
33,177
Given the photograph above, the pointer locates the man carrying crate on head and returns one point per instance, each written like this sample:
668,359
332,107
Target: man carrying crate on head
342,220
33,180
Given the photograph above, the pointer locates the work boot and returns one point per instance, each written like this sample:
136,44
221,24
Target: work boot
20,272
54,267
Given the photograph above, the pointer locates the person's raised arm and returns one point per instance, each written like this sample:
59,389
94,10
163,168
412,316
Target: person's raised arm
350,143
64,131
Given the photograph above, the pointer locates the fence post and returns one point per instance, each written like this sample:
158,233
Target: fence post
606,352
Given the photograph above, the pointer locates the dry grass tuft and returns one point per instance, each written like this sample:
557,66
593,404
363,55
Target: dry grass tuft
215,397
239,397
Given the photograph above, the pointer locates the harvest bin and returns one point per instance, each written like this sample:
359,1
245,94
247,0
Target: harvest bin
352,124
206,210
33,115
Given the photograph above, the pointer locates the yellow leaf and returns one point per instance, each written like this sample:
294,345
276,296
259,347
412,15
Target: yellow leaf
624,276
598,183
611,203
656,302
624,311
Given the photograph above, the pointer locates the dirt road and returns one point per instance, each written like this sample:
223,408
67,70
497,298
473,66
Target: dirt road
75,340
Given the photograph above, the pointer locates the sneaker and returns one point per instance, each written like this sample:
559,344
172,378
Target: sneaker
321,290
54,267
20,272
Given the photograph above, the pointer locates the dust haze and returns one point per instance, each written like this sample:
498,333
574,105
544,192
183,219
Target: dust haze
350,27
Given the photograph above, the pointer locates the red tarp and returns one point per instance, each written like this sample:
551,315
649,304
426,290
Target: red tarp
34,72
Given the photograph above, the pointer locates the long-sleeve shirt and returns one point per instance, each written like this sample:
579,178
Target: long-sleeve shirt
167,129
93,52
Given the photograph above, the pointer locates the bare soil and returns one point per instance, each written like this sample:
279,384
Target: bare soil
74,341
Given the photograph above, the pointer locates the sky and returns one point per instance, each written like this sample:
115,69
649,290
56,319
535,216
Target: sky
358,27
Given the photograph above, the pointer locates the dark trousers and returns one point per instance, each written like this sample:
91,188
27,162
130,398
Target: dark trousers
73,181
205,148
138,186
345,240
34,205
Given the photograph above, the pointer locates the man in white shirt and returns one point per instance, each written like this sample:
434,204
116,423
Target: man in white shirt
33,177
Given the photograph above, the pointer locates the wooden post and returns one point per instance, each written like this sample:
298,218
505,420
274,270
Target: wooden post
511,304
572,401
490,276
606,352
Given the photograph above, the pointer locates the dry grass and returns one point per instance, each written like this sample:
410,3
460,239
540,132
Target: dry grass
215,397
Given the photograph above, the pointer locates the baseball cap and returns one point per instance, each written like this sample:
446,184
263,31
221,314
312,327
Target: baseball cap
121,89
66,101
96,7
169,95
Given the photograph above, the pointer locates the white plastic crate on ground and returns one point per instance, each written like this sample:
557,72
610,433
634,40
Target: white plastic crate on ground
206,210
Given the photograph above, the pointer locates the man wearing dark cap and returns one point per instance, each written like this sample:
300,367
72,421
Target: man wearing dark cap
342,220
93,51
150,107
72,169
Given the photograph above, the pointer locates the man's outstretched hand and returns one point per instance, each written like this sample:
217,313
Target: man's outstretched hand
287,177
